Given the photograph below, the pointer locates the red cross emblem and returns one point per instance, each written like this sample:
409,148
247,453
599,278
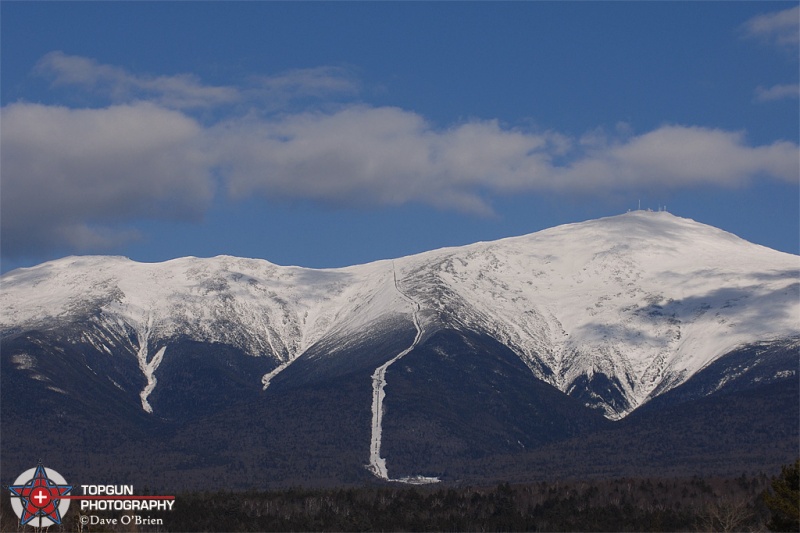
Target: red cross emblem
40,497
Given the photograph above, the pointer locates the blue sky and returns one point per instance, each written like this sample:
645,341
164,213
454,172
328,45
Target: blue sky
330,134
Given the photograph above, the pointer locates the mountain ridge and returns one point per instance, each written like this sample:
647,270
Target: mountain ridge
573,301
451,364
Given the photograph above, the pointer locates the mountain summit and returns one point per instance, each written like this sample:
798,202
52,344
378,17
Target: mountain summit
599,317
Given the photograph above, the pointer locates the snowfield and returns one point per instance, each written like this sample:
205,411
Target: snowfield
646,299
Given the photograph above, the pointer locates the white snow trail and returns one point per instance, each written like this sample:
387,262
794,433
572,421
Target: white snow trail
148,368
267,378
377,464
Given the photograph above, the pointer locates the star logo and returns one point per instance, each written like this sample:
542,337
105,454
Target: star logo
36,497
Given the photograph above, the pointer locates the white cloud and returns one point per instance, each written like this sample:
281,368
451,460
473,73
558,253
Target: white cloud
179,91
317,82
365,156
186,91
781,28
76,176
69,175
388,156
777,92
682,156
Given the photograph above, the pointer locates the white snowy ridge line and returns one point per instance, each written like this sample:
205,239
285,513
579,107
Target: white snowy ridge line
647,299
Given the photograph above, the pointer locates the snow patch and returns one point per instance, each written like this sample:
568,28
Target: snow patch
23,361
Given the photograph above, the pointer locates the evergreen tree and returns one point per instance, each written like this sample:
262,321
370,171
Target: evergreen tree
784,499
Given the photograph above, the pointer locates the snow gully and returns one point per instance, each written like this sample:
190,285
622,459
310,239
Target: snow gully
148,368
377,464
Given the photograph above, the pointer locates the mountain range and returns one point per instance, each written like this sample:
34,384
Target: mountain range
639,343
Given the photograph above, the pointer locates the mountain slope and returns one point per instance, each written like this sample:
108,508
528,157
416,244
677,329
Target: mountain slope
644,300
633,304
428,362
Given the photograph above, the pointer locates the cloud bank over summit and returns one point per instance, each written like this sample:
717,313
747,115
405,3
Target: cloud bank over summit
165,147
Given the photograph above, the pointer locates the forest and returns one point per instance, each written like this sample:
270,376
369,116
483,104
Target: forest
745,503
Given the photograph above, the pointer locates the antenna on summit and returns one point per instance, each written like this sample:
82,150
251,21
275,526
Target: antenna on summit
640,205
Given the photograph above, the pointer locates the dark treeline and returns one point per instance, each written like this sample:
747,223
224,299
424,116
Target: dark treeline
695,504
626,505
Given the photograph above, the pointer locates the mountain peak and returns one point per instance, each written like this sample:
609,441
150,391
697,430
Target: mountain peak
410,367
644,299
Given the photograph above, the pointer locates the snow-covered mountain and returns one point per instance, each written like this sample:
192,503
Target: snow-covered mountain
612,312
646,299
